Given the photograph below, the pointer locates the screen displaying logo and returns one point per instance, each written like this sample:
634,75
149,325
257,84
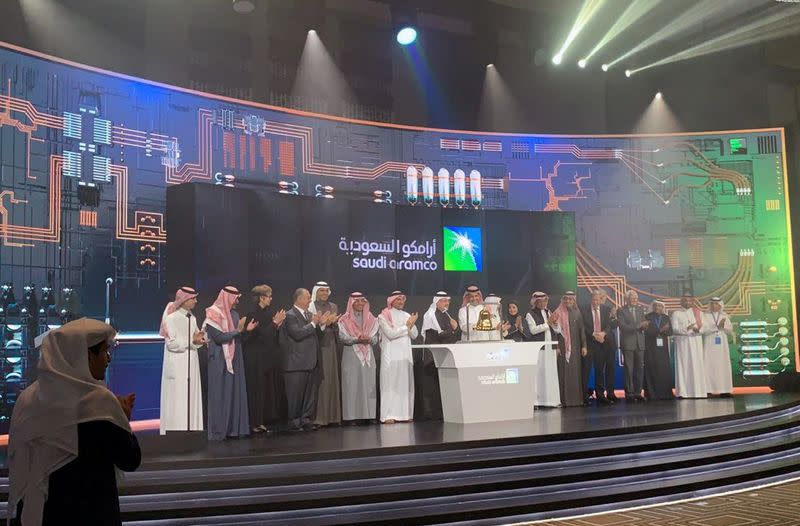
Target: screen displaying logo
463,248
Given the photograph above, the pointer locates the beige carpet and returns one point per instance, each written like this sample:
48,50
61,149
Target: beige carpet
770,506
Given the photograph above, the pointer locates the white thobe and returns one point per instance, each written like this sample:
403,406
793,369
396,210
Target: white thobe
397,367
178,363
716,353
547,391
690,370
474,316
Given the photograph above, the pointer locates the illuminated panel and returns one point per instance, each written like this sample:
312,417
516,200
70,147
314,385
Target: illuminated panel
265,146
286,158
492,146
471,146
242,152
449,144
251,150
672,253
101,169
72,164
228,149
72,125
696,255
720,251
773,205
88,218
101,133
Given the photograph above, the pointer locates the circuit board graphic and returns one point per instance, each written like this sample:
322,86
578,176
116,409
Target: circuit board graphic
86,156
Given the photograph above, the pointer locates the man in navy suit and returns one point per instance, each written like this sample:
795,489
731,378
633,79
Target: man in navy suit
599,322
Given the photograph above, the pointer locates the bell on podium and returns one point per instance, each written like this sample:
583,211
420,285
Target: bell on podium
484,321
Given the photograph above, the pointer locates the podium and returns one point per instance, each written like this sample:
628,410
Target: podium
487,381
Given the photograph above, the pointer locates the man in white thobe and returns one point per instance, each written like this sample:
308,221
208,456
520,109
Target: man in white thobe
716,352
469,314
544,327
690,371
181,370
397,329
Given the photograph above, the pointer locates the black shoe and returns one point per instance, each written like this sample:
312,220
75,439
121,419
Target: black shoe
604,401
614,399
296,429
310,427
639,398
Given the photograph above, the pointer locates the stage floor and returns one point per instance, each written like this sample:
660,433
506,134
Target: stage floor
545,425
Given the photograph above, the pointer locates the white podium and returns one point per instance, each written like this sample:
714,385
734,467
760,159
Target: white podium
487,381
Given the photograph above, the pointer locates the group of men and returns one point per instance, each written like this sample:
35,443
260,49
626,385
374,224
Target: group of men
312,366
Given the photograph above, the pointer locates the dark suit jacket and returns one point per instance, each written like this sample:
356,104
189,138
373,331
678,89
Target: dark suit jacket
607,325
299,342
631,336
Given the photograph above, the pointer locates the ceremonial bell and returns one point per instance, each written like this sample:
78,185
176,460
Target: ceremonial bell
484,321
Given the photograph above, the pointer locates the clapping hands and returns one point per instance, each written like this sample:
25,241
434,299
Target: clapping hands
279,318
412,320
127,403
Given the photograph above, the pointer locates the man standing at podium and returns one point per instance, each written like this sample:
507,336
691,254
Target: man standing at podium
397,363
470,312
438,327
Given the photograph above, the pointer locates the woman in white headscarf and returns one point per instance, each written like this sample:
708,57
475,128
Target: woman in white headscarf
717,355
69,433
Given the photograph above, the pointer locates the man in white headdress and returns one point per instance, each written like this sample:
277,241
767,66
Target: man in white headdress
181,393
329,409
469,315
493,303
358,330
69,433
397,328
690,370
716,352
543,326
438,327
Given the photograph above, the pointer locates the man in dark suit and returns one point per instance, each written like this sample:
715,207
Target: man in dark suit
599,322
632,323
299,339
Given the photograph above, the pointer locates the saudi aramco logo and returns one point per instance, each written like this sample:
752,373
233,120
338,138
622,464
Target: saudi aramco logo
463,249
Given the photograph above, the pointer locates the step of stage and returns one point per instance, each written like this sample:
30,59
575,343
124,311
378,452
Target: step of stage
480,482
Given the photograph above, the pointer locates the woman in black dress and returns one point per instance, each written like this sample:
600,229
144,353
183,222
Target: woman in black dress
657,371
517,322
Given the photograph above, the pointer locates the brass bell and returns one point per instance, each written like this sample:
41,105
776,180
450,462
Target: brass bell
484,321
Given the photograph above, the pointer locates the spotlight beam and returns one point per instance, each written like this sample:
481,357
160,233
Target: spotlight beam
776,25
634,12
690,18
588,10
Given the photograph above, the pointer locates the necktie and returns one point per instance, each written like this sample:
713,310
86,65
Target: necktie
306,316
596,316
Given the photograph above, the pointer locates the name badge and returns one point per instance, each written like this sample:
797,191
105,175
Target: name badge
717,340
659,342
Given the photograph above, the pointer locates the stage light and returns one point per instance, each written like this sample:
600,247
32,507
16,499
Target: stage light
312,32
701,12
604,67
582,63
658,95
628,73
777,22
588,10
489,65
634,12
243,7
406,36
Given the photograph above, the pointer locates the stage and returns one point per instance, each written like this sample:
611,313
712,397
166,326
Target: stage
558,463
547,425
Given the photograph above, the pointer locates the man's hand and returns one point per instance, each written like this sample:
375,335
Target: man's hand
599,336
127,404
252,325
412,320
644,325
316,318
721,324
240,325
198,338
453,324
553,319
363,339
279,317
584,351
